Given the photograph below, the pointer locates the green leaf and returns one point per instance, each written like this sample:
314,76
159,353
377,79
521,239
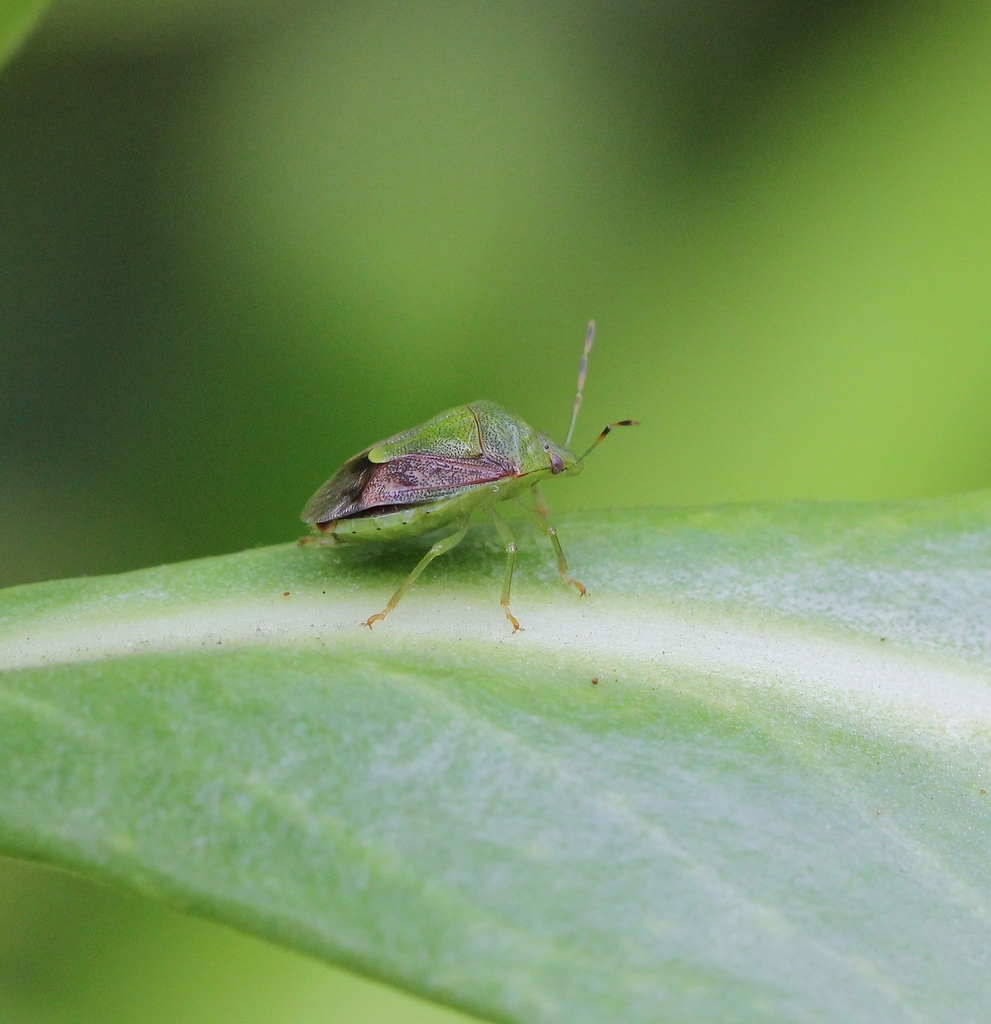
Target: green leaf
17,18
771,806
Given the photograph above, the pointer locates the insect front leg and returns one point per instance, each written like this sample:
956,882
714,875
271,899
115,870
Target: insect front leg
538,500
444,544
538,516
510,541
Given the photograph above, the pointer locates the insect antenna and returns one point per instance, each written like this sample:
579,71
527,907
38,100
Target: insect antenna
605,433
582,370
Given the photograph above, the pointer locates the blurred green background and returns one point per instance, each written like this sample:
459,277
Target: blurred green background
242,239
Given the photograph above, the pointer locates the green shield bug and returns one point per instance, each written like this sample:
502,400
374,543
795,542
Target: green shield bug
464,460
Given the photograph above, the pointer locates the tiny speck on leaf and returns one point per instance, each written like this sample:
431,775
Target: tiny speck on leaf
595,680
286,594
984,792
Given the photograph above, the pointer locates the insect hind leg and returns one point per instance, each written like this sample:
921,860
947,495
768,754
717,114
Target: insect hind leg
327,540
538,516
444,544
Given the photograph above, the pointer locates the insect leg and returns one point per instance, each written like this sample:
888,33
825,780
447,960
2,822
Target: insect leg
539,518
444,544
326,541
510,541
538,500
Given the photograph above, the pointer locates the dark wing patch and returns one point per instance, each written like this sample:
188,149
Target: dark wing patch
340,496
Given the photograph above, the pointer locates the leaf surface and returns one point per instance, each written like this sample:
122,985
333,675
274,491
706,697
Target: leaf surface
770,806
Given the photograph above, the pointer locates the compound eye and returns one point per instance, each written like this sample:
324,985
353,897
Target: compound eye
557,463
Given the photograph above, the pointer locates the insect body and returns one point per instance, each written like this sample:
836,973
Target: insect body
464,460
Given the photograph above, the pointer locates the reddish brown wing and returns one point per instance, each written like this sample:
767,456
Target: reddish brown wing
417,479
360,485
